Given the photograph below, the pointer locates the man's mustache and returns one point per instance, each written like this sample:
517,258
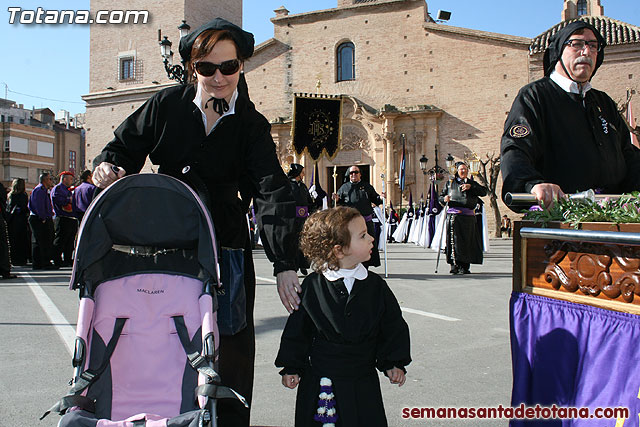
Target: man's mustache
583,60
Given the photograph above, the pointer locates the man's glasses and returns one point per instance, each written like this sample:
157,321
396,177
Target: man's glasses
579,44
208,69
354,172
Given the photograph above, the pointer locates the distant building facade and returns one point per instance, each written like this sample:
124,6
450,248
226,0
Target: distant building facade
33,143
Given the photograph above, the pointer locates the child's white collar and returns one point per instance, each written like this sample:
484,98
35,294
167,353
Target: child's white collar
348,275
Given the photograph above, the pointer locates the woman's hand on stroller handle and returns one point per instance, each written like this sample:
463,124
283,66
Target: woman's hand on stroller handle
106,174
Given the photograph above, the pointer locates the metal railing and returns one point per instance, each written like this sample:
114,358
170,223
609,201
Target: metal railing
587,236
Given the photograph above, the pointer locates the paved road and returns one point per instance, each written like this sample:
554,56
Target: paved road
459,331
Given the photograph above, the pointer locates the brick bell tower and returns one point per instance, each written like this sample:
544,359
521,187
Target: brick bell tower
125,64
573,9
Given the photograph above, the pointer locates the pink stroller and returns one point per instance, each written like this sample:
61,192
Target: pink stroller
147,340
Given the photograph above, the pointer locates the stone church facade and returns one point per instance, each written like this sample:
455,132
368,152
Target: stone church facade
445,88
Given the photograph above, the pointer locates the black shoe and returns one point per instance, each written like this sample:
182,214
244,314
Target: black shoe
455,270
465,271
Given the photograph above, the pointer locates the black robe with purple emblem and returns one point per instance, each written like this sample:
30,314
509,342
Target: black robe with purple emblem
557,137
304,208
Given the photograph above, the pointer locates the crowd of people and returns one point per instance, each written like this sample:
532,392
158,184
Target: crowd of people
40,228
208,134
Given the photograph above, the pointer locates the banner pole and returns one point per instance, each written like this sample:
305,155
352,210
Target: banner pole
335,185
384,225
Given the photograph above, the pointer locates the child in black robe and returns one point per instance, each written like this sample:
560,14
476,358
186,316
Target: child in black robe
349,323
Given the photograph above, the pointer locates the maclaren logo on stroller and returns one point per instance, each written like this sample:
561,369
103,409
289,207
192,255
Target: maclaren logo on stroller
150,292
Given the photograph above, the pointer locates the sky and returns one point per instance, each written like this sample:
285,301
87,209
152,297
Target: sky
47,65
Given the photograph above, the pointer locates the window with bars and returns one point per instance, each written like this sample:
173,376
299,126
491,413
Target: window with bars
72,161
127,68
345,61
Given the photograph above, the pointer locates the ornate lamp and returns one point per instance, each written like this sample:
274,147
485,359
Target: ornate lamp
174,72
451,163
473,161
436,173
423,164
184,28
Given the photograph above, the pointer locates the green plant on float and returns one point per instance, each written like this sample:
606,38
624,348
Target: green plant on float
625,209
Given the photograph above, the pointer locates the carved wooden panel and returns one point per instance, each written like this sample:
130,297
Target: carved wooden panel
604,275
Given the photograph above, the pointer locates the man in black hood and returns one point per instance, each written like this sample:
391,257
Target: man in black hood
563,136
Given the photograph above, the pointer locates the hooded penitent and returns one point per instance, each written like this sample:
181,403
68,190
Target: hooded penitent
296,170
557,42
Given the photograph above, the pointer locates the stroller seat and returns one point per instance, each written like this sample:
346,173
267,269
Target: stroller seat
147,340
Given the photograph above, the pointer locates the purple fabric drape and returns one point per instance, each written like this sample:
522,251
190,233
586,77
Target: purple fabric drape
573,355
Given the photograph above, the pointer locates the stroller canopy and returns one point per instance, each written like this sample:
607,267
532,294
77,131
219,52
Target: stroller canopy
150,216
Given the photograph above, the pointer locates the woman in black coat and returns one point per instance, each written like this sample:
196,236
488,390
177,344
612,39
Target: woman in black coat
18,223
209,134
464,241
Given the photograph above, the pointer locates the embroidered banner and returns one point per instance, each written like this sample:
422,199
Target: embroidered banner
316,124
574,355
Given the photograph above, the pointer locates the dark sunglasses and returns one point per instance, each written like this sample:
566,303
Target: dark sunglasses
354,172
208,69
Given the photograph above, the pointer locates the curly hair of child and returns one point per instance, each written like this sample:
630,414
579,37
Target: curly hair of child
324,230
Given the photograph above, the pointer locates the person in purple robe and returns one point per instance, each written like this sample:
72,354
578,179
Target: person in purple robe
64,221
41,223
83,194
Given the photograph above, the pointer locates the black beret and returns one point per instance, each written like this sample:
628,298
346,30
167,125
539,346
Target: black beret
243,39
295,170
557,41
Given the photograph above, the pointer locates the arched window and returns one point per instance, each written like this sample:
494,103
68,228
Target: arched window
346,63
582,7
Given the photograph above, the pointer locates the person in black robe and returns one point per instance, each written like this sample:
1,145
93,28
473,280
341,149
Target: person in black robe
411,214
5,261
361,195
464,241
209,134
18,223
561,135
304,207
393,223
349,323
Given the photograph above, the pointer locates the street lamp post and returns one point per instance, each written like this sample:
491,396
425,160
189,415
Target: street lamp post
174,72
423,165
